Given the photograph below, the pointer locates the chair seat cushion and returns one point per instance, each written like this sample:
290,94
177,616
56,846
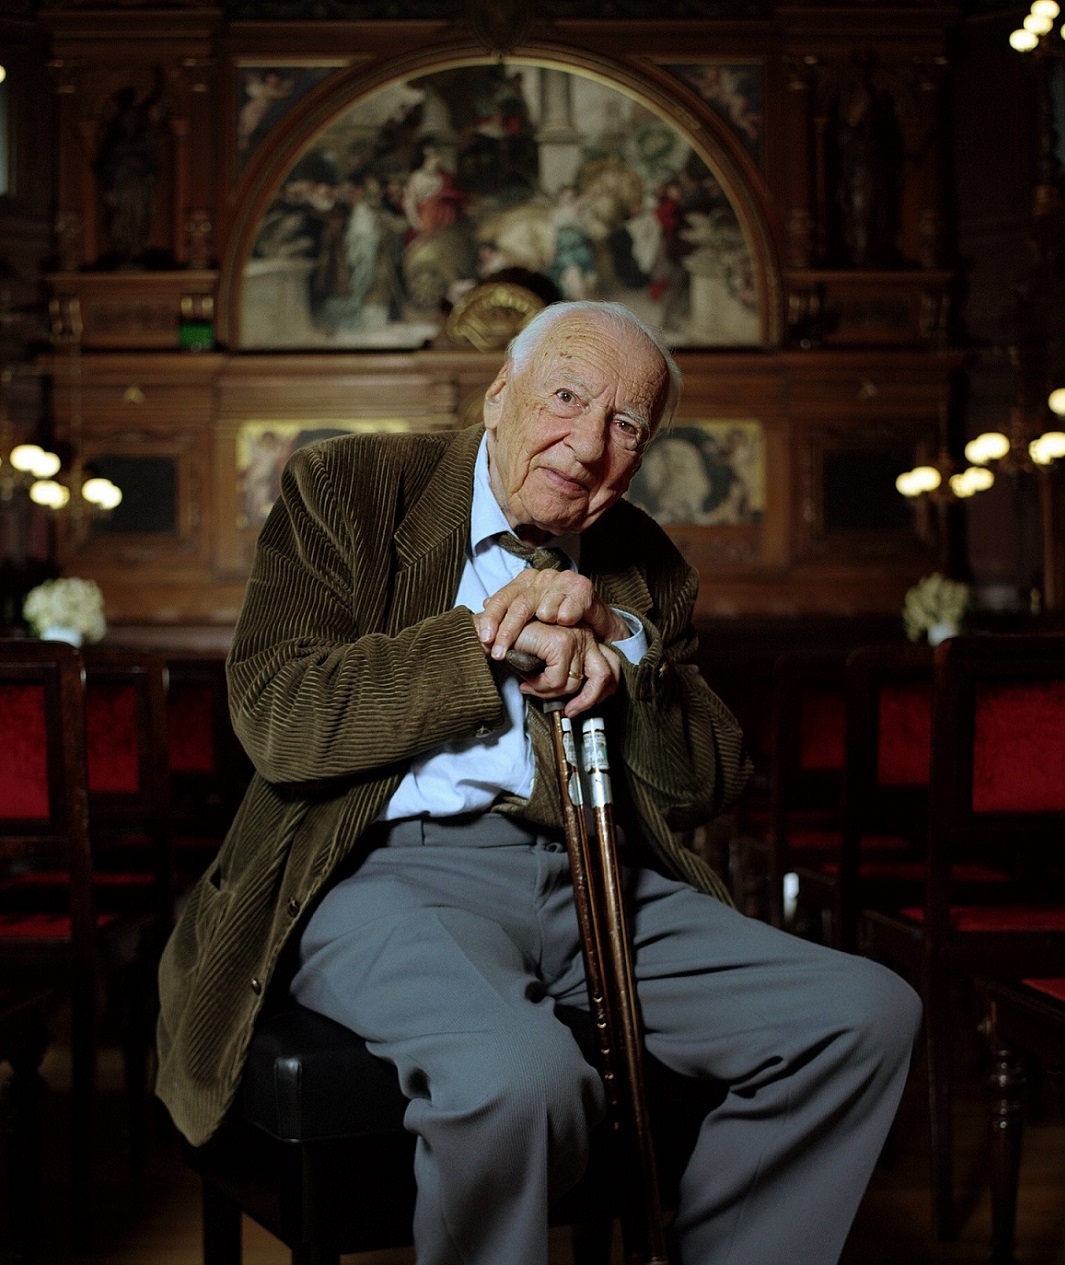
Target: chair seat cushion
1051,987
299,1075
989,918
302,1067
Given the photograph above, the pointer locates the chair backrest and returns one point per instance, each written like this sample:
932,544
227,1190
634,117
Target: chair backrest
209,770
888,740
997,792
44,814
807,733
128,769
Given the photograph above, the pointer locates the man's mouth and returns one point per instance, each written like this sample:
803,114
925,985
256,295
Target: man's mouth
564,482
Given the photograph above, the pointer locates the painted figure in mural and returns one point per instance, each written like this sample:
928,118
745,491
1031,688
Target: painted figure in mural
738,455
362,246
573,268
500,150
431,198
259,483
127,168
262,91
675,481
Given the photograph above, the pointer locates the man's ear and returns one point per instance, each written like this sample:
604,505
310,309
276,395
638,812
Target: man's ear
493,398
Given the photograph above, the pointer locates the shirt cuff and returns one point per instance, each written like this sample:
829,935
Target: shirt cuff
634,646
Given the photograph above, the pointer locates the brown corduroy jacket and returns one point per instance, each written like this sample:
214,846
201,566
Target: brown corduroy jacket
348,660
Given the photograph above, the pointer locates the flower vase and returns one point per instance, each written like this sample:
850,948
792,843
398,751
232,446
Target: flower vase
57,632
941,631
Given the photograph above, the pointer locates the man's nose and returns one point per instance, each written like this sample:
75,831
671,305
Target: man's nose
589,435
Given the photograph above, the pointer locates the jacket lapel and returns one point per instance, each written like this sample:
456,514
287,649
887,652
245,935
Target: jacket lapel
430,540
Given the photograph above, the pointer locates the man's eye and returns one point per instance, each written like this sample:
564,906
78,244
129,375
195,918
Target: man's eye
565,397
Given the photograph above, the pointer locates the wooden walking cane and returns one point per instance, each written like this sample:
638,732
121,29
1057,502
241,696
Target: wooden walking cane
608,967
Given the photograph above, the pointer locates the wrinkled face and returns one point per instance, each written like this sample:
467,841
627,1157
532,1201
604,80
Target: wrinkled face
567,431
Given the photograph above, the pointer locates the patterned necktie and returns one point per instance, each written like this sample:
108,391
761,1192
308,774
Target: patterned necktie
536,556
543,807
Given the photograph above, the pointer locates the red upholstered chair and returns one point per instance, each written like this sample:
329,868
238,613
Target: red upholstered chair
129,781
888,711
996,799
209,769
881,862
44,824
126,754
1023,1021
58,926
129,821
805,742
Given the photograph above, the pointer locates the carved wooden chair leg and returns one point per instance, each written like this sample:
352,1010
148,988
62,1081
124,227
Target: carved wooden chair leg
82,1092
1005,1118
941,1104
23,1092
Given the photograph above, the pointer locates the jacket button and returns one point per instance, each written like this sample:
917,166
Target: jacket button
662,669
293,907
256,986
482,731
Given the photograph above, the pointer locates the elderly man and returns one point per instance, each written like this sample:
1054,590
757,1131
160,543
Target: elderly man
402,833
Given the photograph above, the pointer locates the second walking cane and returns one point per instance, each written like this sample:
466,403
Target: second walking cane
608,966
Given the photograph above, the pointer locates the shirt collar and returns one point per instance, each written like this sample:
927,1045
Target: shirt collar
487,520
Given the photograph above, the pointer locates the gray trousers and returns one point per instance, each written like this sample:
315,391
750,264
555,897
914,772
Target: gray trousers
448,950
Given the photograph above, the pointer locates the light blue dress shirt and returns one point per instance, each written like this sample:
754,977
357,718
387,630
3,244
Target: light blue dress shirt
468,776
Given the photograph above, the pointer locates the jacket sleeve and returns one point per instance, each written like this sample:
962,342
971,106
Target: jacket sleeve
318,690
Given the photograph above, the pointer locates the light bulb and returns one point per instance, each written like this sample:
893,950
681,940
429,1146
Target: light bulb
24,457
101,492
1056,401
1046,8
1023,41
904,484
48,464
989,446
1047,447
50,494
971,480
926,478
1038,24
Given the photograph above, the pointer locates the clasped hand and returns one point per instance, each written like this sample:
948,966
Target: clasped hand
560,618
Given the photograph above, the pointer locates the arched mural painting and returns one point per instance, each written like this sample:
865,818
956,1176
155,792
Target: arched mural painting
426,187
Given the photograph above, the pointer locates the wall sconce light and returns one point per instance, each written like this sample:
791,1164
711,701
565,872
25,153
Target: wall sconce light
943,482
1038,23
76,493
1012,452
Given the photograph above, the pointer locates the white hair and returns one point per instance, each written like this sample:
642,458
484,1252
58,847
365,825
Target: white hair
524,344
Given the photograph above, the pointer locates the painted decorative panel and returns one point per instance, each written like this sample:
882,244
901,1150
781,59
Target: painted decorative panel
425,188
264,447
707,472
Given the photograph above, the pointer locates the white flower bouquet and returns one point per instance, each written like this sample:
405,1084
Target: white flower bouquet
935,607
58,608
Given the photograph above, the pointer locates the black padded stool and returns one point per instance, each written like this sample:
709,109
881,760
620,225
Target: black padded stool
329,1169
